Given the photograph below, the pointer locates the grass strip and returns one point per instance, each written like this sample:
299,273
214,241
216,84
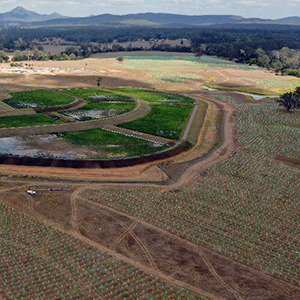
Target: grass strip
37,99
153,96
112,144
30,120
163,120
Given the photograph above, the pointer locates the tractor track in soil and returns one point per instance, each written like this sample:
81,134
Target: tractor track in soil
185,242
128,229
135,221
218,155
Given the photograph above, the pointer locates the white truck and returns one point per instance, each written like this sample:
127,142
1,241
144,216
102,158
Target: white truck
31,192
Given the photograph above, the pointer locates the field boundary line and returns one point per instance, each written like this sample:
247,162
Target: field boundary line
180,239
113,253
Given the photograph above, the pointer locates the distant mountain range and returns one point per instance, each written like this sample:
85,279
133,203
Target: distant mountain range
21,16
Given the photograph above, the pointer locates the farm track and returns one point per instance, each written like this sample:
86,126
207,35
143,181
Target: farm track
135,221
142,110
215,274
152,270
228,145
190,122
189,244
124,234
128,230
140,243
58,266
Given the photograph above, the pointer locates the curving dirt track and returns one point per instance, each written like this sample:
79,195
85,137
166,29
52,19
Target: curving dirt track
216,156
229,144
157,251
151,248
141,110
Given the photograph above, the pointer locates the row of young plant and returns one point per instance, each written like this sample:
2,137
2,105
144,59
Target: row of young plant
246,207
40,262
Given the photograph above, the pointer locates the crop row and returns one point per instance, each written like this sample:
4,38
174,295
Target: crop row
247,207
273,83
38,262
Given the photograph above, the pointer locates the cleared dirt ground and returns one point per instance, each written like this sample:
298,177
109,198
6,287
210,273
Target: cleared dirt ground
155,250
143,245
114,73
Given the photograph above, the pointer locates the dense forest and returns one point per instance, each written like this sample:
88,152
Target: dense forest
274,47
278,50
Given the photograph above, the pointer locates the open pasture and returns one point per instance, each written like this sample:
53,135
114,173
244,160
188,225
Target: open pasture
37,99
246,208
163,120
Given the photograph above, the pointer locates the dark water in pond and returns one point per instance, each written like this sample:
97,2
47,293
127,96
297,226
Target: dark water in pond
18,147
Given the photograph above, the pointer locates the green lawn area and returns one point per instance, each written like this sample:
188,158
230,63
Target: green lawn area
100,110
37,99
94,94
153,96
163,120
111,144
30,120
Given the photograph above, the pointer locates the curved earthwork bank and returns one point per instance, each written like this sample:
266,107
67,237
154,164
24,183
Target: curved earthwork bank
142,109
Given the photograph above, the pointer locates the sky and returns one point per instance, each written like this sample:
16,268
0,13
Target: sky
271,9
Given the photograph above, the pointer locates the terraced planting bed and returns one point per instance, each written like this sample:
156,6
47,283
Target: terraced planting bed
112,145
246,207
100,110
37,99
153,96
30,120
163,120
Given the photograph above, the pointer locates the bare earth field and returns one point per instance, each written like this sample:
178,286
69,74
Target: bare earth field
220,221
144,73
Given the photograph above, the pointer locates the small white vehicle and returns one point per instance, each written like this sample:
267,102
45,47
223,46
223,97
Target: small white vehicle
31,192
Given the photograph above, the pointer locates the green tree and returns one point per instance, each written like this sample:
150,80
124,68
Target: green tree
20,56
65,56
290,100
99,80
72,56
3,56
36,54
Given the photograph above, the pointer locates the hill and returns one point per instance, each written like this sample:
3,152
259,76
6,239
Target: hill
20,14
